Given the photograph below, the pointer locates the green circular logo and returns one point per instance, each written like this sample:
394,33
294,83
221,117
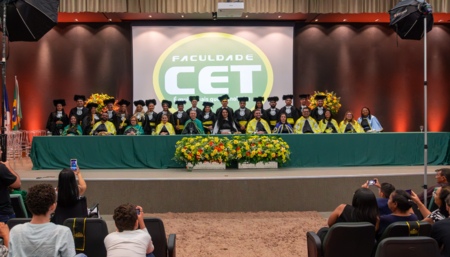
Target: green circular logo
211,65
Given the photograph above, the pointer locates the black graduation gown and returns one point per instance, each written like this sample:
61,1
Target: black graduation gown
230,112
315,114
150,124
112,116
141,119
263,115
293,115
118,122
242,119
169,115
198,111
180,121
272,119
187,129
86,125
51,123
300,109
210,121
80,118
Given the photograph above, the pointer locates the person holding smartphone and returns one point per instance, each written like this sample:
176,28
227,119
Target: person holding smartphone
384,191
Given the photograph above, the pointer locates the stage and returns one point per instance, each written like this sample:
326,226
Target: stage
231,190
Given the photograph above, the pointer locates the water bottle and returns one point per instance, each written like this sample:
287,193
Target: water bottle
49,133
60,132
191,130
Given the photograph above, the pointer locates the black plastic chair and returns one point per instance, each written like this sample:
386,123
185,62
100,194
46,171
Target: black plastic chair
343,239
95,233
408,247
402,229
16,221
163,247
18,206
79,210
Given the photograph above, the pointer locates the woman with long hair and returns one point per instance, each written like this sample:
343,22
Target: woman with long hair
364,208
150,120
369,122
139,113
225,123
166,105
328,124
121,119
208,117
349,124
73,129
57,119
68,189
439,199
282,126
91,118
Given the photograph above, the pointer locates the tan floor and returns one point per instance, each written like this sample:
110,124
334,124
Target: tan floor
25,171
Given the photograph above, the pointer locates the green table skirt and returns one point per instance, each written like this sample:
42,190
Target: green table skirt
311,150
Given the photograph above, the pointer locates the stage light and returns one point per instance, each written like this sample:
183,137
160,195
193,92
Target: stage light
149,16
110,20
246,16
182,16
279,17
345,19
377,20
441,20
76,19
317,20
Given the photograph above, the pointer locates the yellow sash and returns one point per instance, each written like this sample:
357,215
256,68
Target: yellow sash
209,122
152,124
181,127
290,120
243,122
140,124
273,122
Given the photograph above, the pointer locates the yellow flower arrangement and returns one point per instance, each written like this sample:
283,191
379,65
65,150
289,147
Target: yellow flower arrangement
331,101
98,99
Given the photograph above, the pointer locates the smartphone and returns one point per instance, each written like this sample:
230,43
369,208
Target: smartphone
372,182
73,164
138,211
408,191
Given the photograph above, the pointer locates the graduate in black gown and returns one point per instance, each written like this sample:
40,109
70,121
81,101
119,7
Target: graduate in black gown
273,113
208,118
224,124
318,113
292,113
150,120
58,119
139,113
122,118
180,117
224,101
166,105
90,119
259,105
110,109
80,111
194,101
303,102
242,115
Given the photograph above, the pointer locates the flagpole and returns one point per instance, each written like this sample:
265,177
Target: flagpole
3,63
425,84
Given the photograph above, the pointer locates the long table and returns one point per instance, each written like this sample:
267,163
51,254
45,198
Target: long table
309,150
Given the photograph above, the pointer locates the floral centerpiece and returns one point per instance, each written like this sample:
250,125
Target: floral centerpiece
193,150
99,99
254,149
331,101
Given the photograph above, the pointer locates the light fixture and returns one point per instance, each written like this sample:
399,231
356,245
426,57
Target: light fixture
246,16
182,16
149,16
441,20
317,20
110,20
279,16
76,19
345,19
377,20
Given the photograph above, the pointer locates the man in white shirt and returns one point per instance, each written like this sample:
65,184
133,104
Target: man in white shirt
129,240
40,237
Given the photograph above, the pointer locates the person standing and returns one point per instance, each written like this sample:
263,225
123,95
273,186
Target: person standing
90,119
194,101
80,111
259,106
292,113
258,125
209,117
166,105
273,113
242,115
306,124
224,101
318,113
150,120
193,125
122,118
104,127
57,119
180,117
109,103
303,102
8,178
139,112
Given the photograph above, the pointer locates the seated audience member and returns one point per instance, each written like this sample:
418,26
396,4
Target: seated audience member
400,204
384,191
4,233
364,208
165,127
68,189
438,214
441,232
328,124
8,179
282,127
258,125
193,125
57,119
225,123
306,124
442,179
134,128
369,122
73,129
104,127
40,237
349,124
129,240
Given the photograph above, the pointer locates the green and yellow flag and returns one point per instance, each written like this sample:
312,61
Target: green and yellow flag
17,112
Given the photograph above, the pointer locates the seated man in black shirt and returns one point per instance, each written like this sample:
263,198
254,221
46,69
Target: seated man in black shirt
8,178
441,232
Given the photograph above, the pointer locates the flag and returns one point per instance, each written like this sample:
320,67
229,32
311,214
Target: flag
7,113
17,112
